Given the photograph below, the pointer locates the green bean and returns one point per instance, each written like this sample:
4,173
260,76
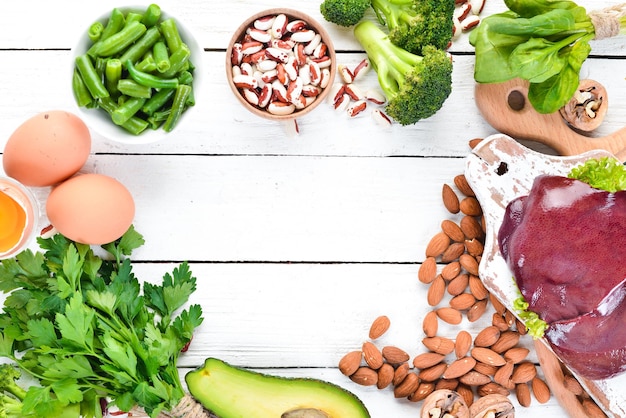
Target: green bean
161,56
178,106
112,75
133,89
143,45
134,125
127,110
147,64
150,80
114,24
133,17
186,77
169,29
118,41
95,31
157,101
90,77
81,93
152,15
179,61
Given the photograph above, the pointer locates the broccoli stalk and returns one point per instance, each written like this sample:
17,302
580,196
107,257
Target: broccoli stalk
414,24
10,406
415,86
344,12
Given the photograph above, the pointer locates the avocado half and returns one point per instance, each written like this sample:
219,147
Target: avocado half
233,392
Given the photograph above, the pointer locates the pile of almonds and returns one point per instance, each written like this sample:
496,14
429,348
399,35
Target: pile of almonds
494,361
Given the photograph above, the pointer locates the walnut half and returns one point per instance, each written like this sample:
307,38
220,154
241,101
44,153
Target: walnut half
585,111
492,406
444,403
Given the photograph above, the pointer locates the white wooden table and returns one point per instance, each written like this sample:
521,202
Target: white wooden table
298,243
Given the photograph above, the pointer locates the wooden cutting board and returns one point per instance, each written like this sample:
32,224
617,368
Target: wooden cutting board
499,170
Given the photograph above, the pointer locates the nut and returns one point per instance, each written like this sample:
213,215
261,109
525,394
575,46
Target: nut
350,363
436,291
433,373
458,284
394,355
437,245
488,356
385,376
449,315
442,402
459,367
522,393
461,183
400,374
463,302
487,337
450,199
540,389
379,327
462,343
430,324
372,355
495,404
524,372
428,270
452,230
426,360
365,376
407,387
439,345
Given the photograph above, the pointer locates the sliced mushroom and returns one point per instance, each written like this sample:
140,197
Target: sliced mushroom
492,406
444,403
586,110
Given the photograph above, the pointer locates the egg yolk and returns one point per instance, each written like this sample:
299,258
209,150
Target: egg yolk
12,222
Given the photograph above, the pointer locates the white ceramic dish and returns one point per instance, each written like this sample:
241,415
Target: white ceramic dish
97,119
25,198
499,170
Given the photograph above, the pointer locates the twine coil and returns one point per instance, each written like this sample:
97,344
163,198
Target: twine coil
606,22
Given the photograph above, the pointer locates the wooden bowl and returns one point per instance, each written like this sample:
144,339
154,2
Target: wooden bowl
240,35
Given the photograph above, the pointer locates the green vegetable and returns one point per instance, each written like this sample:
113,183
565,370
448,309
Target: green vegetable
178,106
80,324
344,12
414,24
542,41
416,86
121,65
606,173
535,326
232,392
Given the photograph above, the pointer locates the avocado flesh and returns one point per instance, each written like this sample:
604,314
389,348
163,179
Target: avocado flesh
232,392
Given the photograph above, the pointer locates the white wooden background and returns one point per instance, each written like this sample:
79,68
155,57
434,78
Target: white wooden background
299,242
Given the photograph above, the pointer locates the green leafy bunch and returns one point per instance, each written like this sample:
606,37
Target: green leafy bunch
80,324
544,42
605,173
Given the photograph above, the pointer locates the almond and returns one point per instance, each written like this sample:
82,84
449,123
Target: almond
365,376
488,356
474,142
433,373
458,284
499,322
540,390
497,305
436,291
462,302
350,362
459,367
503,375
477,288
449,315
507,340
471,227
524,372
477,310
439,345
394,355
407,387
451,270
474,247
491,388
453,252
423,390
460,181
522,392
520,327
449,384
474,378
380,325
372,355
470,206
516,354
400,374
426,360
486,369
487,337
466,393
385,376
469,263
430,324
450,199
452,230
462,343
437,244
427,270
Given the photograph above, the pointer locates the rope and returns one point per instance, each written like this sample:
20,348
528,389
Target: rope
606,22
188,407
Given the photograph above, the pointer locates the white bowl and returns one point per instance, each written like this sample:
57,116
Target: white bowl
98,119
24,197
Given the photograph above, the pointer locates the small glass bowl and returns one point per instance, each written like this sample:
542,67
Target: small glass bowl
26,199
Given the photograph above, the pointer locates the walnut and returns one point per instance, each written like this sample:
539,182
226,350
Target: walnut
444,403
492,406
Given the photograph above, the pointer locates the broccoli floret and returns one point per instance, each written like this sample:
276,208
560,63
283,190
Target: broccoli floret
344,12
10,406
414,24
415,86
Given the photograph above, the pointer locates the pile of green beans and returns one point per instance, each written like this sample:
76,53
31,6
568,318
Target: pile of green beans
138,69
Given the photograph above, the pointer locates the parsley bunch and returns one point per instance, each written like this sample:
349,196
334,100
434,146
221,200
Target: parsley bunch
80,324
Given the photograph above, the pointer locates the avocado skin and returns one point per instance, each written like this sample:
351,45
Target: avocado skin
233,392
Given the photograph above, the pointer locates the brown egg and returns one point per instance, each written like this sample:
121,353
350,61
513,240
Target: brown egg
91,209
47,149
